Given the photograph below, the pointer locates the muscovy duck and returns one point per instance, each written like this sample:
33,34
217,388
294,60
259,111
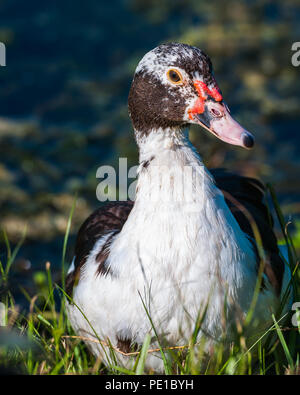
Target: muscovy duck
187,243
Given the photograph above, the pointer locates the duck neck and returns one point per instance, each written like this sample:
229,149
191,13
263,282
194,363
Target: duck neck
171,172
178,203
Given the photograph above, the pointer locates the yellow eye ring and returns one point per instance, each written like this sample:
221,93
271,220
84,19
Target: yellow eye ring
174,76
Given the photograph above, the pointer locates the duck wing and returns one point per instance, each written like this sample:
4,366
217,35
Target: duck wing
106,220
245,199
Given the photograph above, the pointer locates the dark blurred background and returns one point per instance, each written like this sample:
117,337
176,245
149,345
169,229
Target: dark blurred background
63,102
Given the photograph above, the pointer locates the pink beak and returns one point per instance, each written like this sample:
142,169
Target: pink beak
213,114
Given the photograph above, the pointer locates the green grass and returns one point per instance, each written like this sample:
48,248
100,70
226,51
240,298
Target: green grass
41,340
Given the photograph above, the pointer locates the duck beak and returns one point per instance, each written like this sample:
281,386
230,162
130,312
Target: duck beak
213,114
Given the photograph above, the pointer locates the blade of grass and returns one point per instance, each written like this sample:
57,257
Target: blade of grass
12,255
66,237
143,355
123,370
283,343
166,366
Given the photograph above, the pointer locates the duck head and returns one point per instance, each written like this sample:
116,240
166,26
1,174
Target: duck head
174,86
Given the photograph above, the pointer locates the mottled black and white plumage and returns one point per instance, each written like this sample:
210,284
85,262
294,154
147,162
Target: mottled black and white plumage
180,244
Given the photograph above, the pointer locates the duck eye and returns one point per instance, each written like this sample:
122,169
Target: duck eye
174,76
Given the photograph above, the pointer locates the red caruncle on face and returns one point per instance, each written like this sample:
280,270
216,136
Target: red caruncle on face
203,90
